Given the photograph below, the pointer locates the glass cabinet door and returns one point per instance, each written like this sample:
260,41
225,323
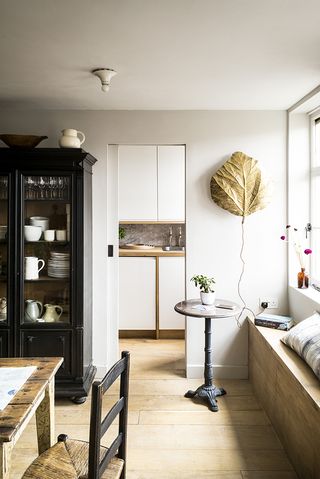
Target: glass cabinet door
3,248
47,251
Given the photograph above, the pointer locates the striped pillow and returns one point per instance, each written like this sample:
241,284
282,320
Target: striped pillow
304,339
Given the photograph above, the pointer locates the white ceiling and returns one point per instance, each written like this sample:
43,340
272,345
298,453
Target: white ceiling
169,54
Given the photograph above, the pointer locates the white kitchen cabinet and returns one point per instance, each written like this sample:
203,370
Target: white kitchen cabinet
152,183
138,183
137,293
171,183
171,290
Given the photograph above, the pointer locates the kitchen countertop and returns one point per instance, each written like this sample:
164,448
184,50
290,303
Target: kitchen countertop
149,252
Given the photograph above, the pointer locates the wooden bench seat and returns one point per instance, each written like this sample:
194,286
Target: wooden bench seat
289,391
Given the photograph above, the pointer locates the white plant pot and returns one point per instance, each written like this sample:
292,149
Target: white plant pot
207,298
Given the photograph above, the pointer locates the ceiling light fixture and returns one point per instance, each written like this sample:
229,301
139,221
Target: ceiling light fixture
105,75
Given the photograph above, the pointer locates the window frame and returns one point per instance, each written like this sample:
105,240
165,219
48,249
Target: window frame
314,172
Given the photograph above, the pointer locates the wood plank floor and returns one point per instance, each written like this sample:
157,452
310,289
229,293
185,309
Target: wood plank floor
173,437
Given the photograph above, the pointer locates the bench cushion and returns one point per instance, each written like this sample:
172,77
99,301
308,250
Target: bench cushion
304,339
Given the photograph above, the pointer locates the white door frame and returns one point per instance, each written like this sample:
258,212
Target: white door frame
112,286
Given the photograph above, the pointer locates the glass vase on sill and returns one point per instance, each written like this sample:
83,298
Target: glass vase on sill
303,279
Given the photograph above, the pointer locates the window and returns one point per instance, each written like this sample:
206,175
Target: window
315,200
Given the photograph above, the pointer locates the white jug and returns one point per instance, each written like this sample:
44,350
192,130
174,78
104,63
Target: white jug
33,310
32,267
69,138
53,313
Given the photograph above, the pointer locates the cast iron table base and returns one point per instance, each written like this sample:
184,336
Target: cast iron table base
208,394
208,391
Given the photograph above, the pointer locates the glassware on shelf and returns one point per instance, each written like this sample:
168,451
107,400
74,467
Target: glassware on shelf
61,187
45,187
42,185
52,182
29,188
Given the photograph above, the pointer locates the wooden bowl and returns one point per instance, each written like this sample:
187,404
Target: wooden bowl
22,141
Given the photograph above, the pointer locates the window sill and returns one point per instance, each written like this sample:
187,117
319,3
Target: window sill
303,302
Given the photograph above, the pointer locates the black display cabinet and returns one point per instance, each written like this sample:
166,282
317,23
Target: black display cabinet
46,222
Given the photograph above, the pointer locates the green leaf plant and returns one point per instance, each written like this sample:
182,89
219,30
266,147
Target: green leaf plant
122,233
204,283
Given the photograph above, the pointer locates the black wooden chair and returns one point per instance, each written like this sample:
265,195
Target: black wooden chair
73,459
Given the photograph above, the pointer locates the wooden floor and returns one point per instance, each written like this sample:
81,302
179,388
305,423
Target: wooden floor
173,437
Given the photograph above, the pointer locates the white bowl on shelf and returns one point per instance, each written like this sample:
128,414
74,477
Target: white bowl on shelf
42,221
32,233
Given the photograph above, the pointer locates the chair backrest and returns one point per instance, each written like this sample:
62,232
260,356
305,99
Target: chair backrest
98,428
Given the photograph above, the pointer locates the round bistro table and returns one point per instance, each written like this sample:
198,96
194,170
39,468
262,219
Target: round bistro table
207,391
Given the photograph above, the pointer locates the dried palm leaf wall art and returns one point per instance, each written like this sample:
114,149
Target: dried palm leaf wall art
239,187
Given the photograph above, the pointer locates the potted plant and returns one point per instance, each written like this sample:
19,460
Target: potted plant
207,293
122,233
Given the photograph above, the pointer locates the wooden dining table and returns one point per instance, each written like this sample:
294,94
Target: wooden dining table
35,397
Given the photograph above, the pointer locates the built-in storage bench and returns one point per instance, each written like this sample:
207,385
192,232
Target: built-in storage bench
290,394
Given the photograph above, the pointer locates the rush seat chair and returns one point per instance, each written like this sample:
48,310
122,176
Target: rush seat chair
73,459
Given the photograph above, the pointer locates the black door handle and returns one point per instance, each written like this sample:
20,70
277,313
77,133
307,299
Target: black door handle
110,250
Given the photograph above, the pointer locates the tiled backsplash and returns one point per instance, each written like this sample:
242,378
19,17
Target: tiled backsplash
157,235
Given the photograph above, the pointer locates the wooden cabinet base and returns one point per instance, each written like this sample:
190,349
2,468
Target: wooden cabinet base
76,389
151,334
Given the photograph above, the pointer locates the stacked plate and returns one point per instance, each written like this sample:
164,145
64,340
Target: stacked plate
59,265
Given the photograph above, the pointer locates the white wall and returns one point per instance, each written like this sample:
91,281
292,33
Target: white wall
213,235
303,302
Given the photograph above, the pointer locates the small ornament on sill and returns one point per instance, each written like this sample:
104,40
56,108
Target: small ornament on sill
294,237
303,279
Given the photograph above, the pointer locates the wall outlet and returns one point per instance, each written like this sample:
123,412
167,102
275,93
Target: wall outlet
273,303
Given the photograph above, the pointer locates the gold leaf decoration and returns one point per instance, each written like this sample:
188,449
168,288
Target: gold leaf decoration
238,186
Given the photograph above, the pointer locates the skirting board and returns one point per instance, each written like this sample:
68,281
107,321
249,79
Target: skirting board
151,334
195,371
101,372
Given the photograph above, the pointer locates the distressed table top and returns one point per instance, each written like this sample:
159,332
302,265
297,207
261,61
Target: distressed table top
187,308
27,399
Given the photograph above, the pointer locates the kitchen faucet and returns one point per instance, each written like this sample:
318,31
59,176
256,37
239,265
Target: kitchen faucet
170,235
179,236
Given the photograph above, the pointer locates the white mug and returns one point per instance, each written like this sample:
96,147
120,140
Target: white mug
32,267
48,235
61,235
